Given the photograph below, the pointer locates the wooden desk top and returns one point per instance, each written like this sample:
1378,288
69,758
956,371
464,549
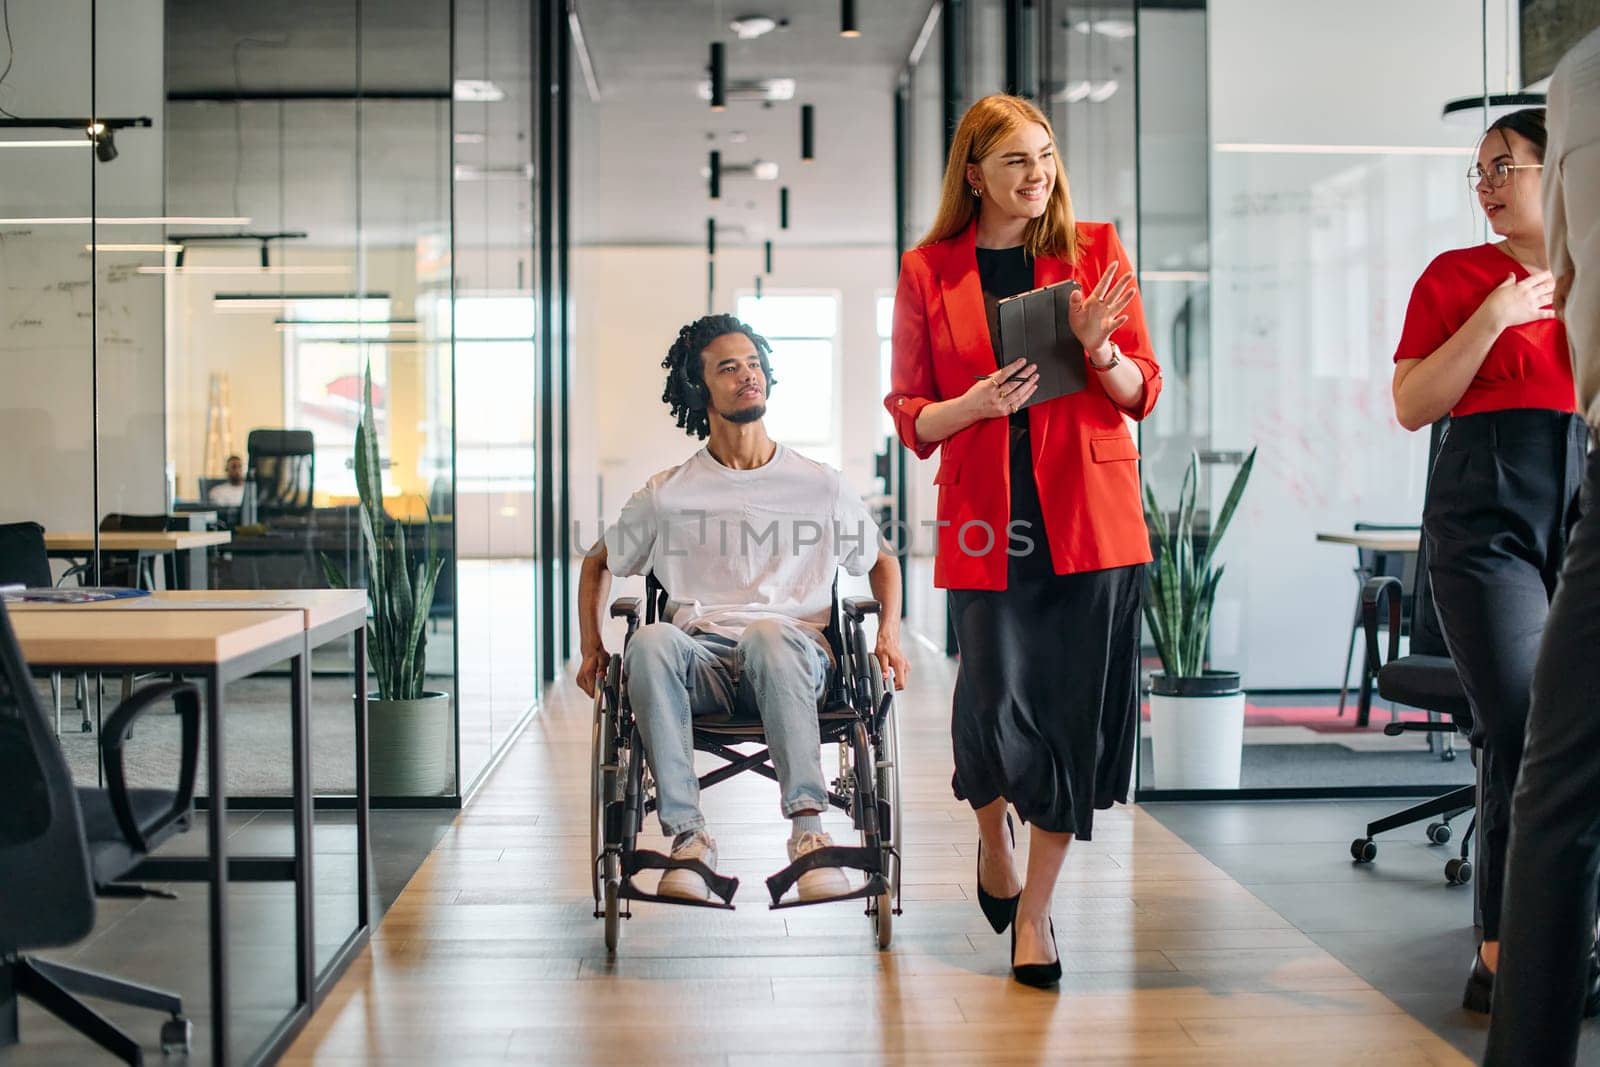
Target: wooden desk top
144,638
1377,540
317,607
135,541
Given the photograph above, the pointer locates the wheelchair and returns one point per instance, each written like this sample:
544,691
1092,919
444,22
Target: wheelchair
856,712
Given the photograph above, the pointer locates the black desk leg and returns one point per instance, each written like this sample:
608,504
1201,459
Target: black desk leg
305,943
363,842
217,845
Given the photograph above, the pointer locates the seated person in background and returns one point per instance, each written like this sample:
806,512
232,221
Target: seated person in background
229,494
747,537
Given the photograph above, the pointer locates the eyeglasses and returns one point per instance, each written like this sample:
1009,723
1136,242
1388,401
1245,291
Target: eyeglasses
1498,173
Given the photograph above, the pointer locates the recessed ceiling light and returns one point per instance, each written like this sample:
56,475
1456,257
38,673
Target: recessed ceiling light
469,138
1118,29
478,90
749,27
1103,92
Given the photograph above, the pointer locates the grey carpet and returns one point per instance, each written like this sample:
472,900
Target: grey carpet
256,736
1330,765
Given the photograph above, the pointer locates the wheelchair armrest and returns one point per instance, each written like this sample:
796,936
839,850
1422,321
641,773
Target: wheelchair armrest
1372,595
186,702
625,607
857,607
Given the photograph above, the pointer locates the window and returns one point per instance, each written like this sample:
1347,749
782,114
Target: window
496,366
803,329
327,346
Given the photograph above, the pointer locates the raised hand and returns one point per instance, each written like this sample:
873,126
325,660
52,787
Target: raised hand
1094,318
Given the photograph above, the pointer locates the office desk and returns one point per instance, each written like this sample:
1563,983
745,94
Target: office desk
325,615
220,647
1383,542
1376,540
135,541
186,547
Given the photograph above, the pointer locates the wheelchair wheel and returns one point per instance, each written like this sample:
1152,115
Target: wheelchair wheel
888,780
613,915
602,781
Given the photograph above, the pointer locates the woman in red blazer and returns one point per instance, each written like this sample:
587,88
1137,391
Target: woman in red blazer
1042,539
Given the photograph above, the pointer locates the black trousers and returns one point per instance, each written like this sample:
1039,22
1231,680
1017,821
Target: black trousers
1501,506
1548,926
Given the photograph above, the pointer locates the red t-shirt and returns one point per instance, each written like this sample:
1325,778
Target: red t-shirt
1527,366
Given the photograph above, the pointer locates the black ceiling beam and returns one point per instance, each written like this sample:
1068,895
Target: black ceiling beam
230,96
74,124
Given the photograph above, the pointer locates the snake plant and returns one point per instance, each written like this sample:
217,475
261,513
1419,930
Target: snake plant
399,595
1182,585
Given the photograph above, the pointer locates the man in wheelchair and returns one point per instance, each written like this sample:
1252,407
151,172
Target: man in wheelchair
746,537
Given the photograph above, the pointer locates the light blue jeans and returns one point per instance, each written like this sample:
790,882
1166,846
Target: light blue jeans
776,670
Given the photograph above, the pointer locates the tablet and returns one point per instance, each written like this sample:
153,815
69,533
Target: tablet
1033,326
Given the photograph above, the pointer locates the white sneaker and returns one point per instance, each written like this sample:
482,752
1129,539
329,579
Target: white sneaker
682,882
819,882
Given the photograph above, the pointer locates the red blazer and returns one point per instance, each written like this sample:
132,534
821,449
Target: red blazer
1084,458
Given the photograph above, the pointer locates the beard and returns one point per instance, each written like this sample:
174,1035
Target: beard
745,415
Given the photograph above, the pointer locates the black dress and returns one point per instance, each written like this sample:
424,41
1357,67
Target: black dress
1047,693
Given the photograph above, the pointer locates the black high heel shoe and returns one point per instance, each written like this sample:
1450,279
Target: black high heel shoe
1000,911
1037,975
1479,994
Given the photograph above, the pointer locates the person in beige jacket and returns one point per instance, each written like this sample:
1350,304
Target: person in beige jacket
1547,956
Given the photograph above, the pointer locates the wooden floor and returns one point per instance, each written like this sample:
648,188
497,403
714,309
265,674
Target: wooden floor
492,954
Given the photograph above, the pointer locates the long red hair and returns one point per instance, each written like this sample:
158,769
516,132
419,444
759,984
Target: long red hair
987,123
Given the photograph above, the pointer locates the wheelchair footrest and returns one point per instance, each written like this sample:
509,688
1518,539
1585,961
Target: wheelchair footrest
722,886
861,858
874,887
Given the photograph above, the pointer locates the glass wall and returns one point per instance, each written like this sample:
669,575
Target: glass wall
1327,196
217,220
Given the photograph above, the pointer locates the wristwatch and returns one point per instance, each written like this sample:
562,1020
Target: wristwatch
1116,357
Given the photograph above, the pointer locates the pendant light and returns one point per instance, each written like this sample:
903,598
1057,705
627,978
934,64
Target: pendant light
848,26
719,77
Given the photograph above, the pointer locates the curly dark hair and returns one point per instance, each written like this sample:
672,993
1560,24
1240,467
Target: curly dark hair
684,366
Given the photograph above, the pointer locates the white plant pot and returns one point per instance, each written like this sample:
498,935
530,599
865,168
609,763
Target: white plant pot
1197,741
408,746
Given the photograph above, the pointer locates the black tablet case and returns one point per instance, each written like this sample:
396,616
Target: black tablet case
1033,326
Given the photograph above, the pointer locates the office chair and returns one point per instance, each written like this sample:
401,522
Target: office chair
1372,563
60,847
283,468
1425,678
25,561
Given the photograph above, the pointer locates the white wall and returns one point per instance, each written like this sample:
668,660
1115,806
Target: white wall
629,304
1313,261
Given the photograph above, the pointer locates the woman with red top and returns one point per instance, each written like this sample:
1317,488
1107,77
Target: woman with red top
1482,345
1042,538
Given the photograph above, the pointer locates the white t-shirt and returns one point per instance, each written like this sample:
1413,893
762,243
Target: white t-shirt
226,494
734,546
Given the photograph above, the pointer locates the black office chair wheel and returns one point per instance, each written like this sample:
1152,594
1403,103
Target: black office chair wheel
86,727
1364,850
1448,755
1439,833
176,1033
1458,871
